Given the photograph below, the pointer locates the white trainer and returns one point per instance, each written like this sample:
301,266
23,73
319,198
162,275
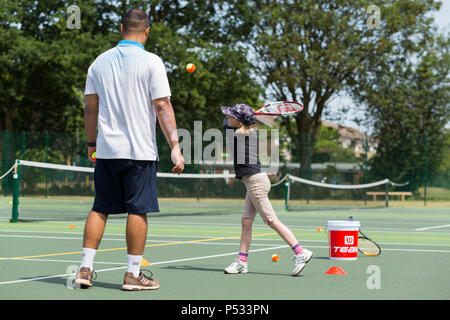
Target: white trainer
300,261
237,267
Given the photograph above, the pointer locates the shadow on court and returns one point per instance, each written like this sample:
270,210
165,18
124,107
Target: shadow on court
187,214
63,282
217,270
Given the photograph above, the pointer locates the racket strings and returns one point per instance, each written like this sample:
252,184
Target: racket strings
368,247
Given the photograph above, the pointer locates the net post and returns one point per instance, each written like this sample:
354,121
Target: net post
286,194
387,194
198,186
425,172
366,149
308,167
15,204
47,140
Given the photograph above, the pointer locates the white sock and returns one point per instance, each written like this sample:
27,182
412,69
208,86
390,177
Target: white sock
87,258
134,264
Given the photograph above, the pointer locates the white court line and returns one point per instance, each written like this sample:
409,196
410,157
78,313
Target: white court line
258,225
107,239
434,227
64,261
416,250
206,243
48,237
204,257
153,263
322,247
106,234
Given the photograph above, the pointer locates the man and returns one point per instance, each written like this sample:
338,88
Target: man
126,90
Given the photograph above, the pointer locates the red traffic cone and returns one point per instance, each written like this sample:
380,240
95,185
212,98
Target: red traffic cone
336,270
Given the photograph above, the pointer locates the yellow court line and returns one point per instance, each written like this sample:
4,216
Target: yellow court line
124,248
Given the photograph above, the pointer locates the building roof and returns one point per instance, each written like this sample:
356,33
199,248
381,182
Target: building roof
345,132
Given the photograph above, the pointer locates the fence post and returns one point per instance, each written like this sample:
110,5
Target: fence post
6,163
425,172
308,166
24,145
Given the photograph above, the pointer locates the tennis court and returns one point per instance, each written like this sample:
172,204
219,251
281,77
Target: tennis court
190,242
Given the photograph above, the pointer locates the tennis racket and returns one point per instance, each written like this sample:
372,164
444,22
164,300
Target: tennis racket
280,108
367,246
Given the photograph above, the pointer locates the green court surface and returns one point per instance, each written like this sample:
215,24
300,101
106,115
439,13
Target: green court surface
190,243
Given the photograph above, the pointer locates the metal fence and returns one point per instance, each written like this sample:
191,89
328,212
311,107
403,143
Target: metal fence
70,148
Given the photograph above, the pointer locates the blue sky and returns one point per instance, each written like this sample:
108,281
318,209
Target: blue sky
442,20
442,17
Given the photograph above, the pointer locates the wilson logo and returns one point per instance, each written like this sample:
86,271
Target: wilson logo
286,108
349,240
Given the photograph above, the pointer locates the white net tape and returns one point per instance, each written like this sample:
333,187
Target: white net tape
225,175
281,181
7,172
348,187
91,170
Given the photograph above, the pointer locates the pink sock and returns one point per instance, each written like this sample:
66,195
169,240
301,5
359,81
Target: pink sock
243,256
297,249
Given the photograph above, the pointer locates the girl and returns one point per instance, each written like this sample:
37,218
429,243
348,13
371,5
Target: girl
241,119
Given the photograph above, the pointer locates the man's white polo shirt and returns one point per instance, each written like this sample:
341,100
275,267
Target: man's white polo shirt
126,79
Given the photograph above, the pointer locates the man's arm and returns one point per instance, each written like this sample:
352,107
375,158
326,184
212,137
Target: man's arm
166,119
90,121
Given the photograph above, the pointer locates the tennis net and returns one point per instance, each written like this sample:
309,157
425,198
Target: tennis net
46,191
303,194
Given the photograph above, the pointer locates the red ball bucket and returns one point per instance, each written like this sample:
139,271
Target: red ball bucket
343,239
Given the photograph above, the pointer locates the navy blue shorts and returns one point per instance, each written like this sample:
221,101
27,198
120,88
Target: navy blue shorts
125,186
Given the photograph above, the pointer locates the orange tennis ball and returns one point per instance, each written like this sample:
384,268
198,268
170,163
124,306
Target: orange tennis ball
275,257
190,67
72,226
319,229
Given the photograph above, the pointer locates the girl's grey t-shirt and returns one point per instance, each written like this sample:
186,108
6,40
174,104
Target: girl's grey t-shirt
245,151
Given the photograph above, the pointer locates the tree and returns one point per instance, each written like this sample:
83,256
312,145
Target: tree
409,107
44,64
310,50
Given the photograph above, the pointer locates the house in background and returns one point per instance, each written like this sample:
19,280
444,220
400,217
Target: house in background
354,139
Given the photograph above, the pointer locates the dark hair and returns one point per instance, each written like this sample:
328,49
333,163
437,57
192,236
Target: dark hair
135,20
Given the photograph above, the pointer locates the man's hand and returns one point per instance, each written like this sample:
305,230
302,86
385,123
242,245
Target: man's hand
177,159
91,150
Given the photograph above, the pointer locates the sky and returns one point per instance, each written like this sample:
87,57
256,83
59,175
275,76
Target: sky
442,20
